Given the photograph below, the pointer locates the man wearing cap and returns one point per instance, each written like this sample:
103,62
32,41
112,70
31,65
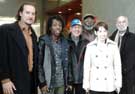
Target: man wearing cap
88,24
77,48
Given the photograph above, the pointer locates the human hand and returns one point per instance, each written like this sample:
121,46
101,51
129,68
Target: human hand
118,90
44,89
8,87
69,87
87,91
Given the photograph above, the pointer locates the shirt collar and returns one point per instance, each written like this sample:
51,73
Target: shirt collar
24,27
108,41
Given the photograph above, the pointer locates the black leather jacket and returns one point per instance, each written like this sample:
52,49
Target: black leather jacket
47,65
76,59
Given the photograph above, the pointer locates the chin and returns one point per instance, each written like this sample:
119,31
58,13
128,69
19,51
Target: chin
29,23
122,29
103,39
57,35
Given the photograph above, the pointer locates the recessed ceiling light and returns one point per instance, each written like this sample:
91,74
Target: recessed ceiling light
78,13
60,12
69,9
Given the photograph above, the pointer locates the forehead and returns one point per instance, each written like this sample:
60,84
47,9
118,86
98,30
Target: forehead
121,19
56,21
29,8
89,18
75,26
101,28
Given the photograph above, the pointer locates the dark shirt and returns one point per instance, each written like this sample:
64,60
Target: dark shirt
59,80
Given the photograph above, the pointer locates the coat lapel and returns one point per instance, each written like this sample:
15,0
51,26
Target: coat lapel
124,41
17,34
112,37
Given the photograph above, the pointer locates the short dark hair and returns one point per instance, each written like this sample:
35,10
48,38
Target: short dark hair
18,17
50,21
99,24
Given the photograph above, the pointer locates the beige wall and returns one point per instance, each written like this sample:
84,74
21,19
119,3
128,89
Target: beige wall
10,7
109,10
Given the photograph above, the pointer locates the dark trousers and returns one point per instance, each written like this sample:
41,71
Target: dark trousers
128,89
95,92
77,89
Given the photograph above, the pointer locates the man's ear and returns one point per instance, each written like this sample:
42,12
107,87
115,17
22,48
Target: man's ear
70,29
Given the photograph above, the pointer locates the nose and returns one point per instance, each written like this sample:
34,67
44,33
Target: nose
76,28
121,23
31,15
57,26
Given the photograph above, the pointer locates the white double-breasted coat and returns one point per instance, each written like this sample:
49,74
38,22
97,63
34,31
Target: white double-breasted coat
102,67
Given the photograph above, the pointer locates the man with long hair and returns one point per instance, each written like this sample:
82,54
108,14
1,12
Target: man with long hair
53,58
19,48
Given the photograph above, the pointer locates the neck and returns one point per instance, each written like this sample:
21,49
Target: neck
102,41
74,37
88,28
55,38
121,33
24,25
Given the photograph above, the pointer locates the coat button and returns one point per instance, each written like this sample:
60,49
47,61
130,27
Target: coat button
106,56
97,67
96,55
105,67
97,78
105,79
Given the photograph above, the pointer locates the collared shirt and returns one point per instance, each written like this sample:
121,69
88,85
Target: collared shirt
27,35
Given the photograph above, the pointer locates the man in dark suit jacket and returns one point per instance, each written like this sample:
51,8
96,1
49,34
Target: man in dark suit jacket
126,43
18,59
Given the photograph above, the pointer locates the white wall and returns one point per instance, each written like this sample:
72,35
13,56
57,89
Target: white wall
10,7
109,10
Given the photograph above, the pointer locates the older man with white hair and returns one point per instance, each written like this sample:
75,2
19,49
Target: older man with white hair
126,43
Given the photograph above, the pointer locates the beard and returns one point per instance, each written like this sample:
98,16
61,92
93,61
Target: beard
88,28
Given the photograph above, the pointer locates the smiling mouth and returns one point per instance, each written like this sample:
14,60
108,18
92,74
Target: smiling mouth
58,31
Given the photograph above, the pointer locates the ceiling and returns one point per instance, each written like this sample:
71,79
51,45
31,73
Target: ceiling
73,6
8,8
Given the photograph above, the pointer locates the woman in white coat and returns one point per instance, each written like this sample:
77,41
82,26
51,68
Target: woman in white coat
102,64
